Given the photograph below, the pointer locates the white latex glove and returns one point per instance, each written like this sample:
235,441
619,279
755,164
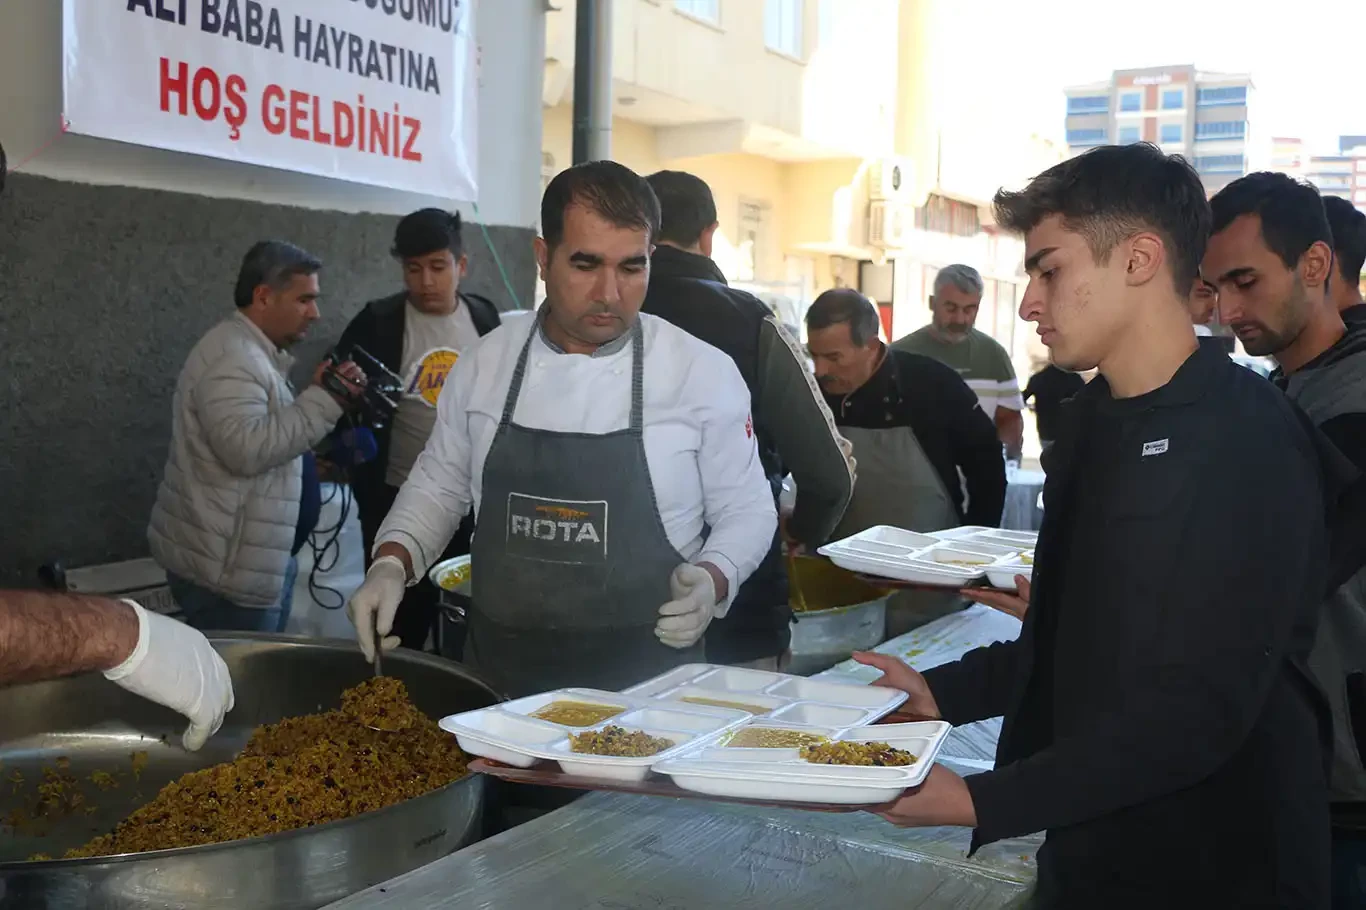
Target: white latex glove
174,665
379,596
683,620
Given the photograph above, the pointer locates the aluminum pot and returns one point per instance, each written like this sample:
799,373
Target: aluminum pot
454,584
97,726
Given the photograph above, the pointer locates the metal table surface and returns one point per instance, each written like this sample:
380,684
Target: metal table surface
649,853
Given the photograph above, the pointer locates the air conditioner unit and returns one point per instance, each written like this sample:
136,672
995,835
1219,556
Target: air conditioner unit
890,178
889,224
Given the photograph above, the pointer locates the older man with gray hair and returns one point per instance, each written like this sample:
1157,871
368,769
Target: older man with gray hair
979,359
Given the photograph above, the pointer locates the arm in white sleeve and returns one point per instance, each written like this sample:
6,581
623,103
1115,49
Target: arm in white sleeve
736,498
437,493
233,406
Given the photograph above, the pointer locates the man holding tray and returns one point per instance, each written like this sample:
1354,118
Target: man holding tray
1160,719
609,456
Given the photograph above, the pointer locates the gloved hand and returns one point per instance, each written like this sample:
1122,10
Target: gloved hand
683,620
174,665
379,596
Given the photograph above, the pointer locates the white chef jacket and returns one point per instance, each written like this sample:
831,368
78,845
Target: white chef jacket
699,440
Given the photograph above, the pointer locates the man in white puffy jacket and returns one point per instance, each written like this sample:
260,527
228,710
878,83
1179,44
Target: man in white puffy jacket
239,494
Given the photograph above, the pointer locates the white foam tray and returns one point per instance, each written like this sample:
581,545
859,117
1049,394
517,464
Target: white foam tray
788,698
508,733
952,558
714,769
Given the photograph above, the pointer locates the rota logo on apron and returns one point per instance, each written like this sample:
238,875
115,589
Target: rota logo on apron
557,530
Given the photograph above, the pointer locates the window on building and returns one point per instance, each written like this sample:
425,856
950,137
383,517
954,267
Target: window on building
1089,104
1219,164
709,10
1086,137
1221,129
1131,101
1212,97
825,22
783,26
1173,99
1128,135
1171,132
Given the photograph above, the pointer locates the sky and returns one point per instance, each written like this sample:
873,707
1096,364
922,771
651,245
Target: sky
1015,57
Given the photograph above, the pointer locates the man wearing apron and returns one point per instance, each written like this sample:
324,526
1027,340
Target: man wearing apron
919,435
610,459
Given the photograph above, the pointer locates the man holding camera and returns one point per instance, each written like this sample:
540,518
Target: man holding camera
240,492
419,334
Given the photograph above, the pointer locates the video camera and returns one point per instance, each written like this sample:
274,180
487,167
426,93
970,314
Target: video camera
377,401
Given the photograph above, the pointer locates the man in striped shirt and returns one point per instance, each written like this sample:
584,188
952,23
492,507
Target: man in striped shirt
979,359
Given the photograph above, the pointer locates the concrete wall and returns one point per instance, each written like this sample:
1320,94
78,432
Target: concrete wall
114,259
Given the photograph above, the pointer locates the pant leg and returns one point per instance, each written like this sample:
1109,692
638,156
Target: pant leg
208,611
1349,870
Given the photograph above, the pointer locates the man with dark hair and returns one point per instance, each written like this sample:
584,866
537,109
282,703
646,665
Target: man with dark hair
793,427
1348,225
609,456
985,366
1158,692
1271,254
240,492
418,333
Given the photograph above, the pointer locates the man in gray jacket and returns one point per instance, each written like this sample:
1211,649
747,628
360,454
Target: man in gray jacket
1272,258
239,495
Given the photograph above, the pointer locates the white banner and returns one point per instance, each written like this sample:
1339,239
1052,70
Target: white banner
380,92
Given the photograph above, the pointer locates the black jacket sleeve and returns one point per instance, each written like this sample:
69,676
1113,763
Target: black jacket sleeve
1217,642
803,431
980,684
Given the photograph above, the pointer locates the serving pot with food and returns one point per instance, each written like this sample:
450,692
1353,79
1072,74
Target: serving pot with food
85,767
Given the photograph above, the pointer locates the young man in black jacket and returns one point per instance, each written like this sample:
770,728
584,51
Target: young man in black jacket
1161,723
1272,253
419,334
792,426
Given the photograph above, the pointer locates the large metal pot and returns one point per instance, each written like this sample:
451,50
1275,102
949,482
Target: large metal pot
454,584
97,726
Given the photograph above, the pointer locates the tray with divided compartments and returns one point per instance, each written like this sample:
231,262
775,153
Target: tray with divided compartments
725,767
779,696
952,558
513,734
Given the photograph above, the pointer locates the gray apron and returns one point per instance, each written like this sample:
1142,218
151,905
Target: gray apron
897,485
571,560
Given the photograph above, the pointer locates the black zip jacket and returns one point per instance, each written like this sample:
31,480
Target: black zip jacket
1160,720
378,328
793,431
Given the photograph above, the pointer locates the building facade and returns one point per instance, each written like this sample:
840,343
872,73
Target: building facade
815,124
1201,115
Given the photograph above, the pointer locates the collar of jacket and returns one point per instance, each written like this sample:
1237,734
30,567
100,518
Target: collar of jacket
882,388
281,359
1352,342
672,262
1187,384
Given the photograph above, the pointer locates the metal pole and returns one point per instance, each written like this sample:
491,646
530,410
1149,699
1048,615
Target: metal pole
593,81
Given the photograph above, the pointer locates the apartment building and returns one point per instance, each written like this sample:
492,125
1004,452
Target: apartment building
1342,175
1201,115
815,123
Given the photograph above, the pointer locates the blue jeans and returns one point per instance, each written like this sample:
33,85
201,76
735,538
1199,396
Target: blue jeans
208,611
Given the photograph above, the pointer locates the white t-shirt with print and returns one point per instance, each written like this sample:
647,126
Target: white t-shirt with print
431,346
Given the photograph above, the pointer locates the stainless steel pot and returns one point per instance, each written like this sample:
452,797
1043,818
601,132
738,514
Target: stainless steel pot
454,601
97,726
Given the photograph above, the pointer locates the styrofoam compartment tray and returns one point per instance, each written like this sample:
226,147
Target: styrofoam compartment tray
508,733
716,769
783,696
950,558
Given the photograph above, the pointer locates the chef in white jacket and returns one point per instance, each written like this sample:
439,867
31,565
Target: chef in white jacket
610,460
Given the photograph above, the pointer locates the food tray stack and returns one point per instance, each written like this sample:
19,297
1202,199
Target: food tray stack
953,558
699,709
